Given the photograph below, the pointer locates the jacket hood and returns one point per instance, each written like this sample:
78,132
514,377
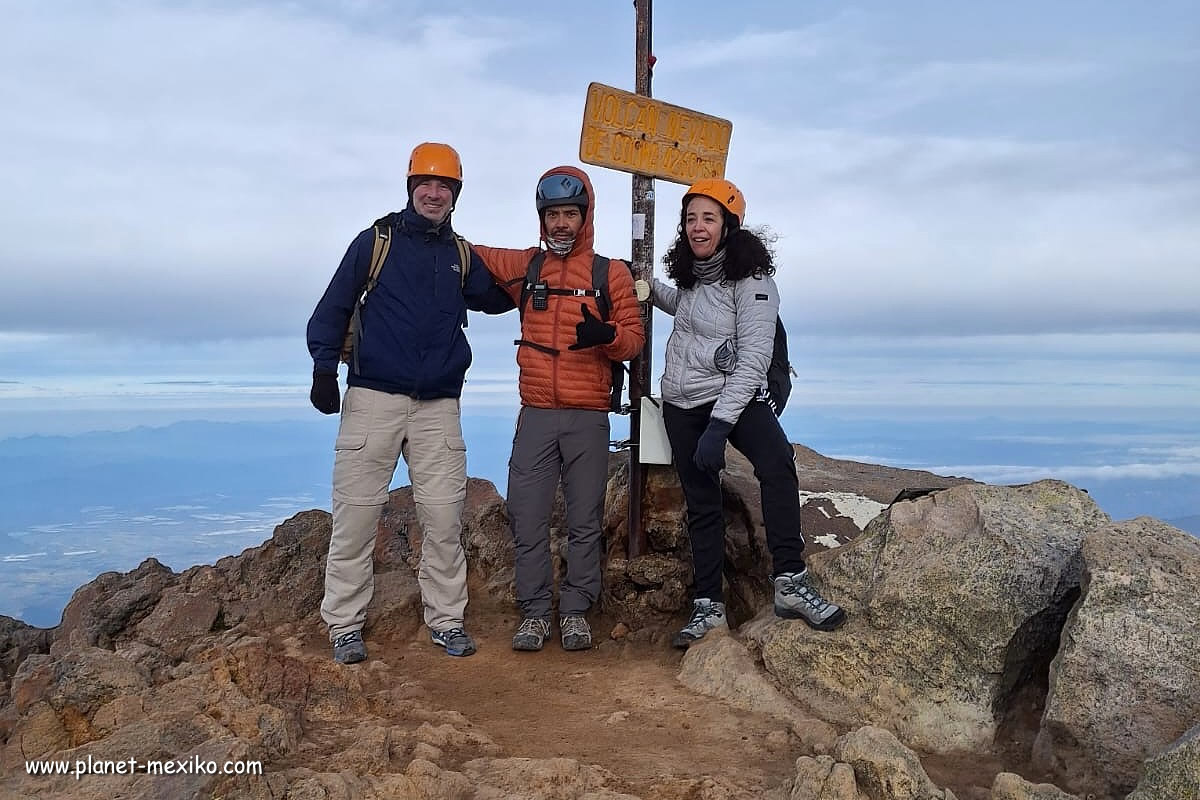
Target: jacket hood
586,238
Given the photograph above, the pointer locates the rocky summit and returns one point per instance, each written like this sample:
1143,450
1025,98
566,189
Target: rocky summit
1003,643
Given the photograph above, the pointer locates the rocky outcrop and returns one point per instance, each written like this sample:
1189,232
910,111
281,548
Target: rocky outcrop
720,666
959,601
1126,681
872,764
838,498
956,601
1008,786
1173,774
868,764
281,580
18,641
649,592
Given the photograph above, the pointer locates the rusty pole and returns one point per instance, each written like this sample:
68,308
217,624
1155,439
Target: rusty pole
643,268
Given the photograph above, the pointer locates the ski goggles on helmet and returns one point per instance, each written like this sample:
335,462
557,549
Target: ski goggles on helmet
561,190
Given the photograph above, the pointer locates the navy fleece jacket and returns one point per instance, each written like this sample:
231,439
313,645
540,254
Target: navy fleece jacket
413,341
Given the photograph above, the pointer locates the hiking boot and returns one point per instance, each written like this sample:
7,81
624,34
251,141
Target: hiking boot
349,648
795,598
576,634
456,641
532,633
706,615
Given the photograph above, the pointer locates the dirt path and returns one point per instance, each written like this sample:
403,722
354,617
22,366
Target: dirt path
618,706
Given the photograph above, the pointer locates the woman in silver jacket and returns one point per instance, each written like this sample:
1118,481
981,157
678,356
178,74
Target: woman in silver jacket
725,304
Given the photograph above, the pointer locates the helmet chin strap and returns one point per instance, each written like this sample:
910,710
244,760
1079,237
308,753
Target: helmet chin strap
726,229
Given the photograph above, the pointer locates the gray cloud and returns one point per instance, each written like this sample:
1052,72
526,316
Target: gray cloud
178,175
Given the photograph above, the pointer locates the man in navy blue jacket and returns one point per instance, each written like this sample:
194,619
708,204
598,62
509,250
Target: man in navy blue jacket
402,398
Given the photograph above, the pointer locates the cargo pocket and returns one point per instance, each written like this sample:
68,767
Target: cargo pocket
350,469
353,440
456,463
441,477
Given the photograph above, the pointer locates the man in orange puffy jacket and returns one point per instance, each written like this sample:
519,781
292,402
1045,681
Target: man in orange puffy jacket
565,356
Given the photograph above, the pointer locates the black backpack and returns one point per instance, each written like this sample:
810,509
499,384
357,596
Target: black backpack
533,288
779,372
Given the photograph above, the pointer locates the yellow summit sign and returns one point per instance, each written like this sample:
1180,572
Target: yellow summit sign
632,133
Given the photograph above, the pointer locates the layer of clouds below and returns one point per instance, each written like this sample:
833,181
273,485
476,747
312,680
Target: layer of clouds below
46,378
180,174
1075,474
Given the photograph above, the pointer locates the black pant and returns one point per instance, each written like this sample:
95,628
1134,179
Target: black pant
758,436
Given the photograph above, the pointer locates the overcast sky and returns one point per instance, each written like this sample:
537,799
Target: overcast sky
992,181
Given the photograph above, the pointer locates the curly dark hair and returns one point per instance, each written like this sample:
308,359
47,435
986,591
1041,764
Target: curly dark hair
747,253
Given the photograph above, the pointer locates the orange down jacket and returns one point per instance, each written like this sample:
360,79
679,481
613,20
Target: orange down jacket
568,378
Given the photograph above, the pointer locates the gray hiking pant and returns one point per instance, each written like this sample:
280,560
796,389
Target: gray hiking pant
376,429
552,444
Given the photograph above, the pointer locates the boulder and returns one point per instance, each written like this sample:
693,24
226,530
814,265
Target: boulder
178,619
1009,786
955,600
1126,682
1173,774
823,778
99,612
867,764
720,666
18,641
56,698
884,768
249,585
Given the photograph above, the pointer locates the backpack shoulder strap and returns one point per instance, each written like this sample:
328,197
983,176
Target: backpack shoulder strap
379,253
781,347
464,258
532,274
600,266
601,274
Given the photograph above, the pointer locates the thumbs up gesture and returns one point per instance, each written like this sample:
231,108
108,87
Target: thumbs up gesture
592,331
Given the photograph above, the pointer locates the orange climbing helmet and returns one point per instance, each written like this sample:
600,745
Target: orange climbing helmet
724,192
438,160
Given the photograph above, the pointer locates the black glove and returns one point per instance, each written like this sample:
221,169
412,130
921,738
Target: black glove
710,450
326,397
592,331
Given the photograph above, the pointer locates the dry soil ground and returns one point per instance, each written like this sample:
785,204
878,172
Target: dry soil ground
619,706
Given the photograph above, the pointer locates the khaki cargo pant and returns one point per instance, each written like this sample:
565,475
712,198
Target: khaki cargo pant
376,429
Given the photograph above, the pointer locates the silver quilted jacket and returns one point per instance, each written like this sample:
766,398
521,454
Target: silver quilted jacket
720,344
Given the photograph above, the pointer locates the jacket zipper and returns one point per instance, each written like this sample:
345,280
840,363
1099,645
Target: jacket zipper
562,282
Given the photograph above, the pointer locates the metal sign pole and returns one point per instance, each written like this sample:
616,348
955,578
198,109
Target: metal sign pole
643,268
